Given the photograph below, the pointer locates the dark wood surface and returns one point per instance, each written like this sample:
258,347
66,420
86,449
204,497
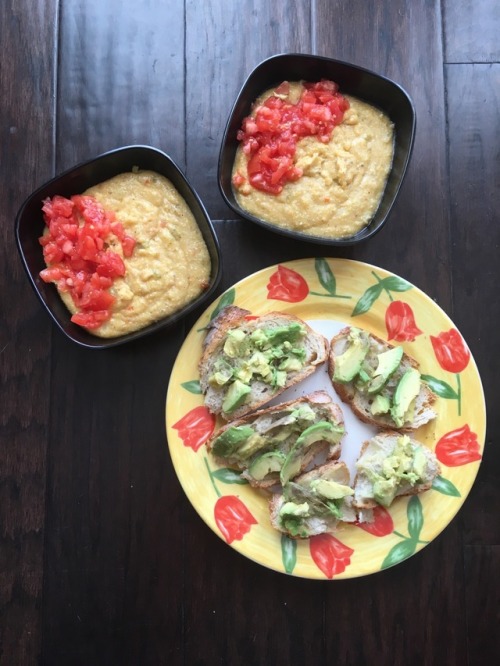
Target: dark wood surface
102,558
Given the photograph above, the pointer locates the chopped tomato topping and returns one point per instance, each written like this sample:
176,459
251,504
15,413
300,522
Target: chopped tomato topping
77,252
270,136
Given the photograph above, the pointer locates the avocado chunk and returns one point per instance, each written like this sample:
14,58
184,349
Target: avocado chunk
230,440
235,396
236,343
321,431
406,391
348,364
291,333
292,516
380,405
265,464
388,362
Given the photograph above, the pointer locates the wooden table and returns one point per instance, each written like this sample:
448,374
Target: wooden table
102,558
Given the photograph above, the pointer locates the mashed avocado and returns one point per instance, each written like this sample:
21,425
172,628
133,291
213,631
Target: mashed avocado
267,354
405,465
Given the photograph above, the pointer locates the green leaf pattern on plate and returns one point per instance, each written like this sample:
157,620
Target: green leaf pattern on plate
226,299
445,487
402,550
227,475
326,279
288,553
192,386
440,387
388,284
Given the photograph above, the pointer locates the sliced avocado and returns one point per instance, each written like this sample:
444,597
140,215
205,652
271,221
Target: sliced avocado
380,405
235,396
388,363
407,390
265,464
322,431
331,489
230,440
348,364
252,445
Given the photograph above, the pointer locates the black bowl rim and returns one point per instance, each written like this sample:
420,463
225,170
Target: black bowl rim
363,234
95,342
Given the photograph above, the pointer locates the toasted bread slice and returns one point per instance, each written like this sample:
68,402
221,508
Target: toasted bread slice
247,361
390,465
314,503
280,442
358,392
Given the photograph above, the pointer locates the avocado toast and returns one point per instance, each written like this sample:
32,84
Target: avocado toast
314,502
247,361
390,465
274,445
379,381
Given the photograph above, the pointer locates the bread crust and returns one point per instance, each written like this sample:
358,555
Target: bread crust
358,402
231,317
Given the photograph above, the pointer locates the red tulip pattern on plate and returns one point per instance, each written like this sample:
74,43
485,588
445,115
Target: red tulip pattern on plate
329,554
458,447
232,516
453,356
195,427
288,285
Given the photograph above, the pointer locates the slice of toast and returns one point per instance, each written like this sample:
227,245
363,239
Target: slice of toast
222,369
303,510
398,467
287,438
355,393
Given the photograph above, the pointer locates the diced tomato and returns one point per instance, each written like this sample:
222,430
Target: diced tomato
276,126
79,261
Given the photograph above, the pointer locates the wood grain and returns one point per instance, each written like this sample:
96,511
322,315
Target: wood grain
26,159
474,115
471,31
102,558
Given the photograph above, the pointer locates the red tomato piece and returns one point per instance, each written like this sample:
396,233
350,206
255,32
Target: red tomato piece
277,126
74,249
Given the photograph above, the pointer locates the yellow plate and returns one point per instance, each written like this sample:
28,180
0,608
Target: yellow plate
330,293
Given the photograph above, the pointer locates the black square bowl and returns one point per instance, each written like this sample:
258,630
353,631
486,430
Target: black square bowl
368,86
29,226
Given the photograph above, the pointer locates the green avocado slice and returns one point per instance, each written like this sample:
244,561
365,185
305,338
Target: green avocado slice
265,464
407,390
228,443
321,431
348,364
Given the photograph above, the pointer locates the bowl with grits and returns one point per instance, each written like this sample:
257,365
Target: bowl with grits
118,247
316,149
